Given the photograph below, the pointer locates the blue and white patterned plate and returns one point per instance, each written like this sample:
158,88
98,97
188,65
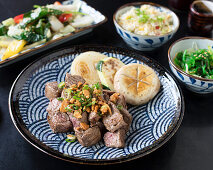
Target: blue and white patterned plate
153,123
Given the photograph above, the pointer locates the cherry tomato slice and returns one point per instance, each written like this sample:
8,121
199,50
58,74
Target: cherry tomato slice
57,3
18,18
64,17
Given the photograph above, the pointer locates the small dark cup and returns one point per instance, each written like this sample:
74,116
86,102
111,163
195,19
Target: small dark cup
200,19
181,5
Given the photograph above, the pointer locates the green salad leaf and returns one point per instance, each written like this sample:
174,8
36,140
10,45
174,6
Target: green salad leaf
3,30
29,36
38,13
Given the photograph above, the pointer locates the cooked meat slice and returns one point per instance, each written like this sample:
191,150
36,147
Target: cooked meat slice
76,122
121,101
127,118
88,137
94,117
51,90
115,121
115,139
99,124
73,79
107,94
59,122
54,106
64,94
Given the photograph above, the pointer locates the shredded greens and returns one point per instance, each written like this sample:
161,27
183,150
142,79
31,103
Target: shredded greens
77,95
197,62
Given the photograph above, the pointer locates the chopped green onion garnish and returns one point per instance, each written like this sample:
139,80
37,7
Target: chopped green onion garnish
160,18
86,87
68,109
119,107
76,107
76,98
70,138
89,104
60,99
61,85
93,102
97,86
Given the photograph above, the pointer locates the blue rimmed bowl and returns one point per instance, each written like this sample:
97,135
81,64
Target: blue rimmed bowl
142,42
193,83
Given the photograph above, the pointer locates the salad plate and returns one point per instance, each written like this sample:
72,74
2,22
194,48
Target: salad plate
153,123
61,37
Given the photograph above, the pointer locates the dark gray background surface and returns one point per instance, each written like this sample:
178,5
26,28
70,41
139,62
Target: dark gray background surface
191,148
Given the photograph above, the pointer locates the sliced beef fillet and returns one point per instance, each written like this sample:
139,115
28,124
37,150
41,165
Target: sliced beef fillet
51,90
73,79
115,121
88,137
76,122
115,139
54,106
59,122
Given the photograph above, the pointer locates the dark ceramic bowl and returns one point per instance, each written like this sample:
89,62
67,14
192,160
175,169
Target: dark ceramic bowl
198,20
180,4
153,123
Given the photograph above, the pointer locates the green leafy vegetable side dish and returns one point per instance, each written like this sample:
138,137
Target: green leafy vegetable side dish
196,62
40,25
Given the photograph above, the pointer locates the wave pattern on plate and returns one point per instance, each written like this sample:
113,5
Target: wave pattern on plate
150,121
